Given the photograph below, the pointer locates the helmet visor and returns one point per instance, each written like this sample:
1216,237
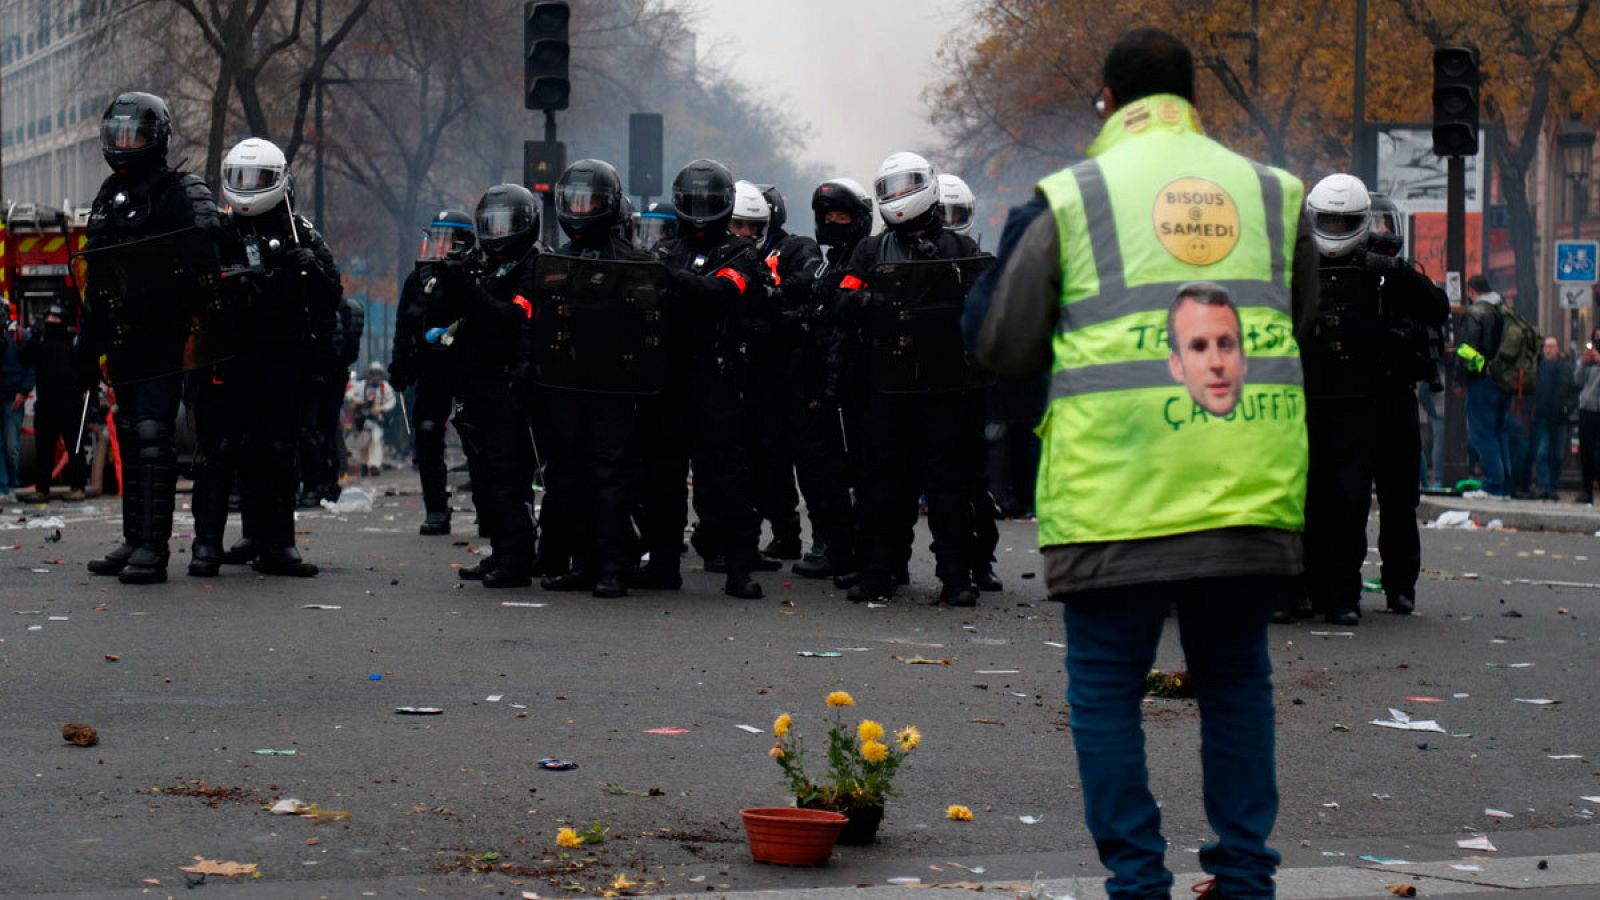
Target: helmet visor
654,229
127,134
584,200
957,215
703,202
248,178
1385,222
439,241
498,221
900,184
1338,225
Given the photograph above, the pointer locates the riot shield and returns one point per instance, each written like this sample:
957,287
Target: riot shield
913,324
601,325
151,311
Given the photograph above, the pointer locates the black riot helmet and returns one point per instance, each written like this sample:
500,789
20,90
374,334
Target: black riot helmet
780,211
508,221
1385,235
846,196
703,194
626,220
588,199
449,236
134,132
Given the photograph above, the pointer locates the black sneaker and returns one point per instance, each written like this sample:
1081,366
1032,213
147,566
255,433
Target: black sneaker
1402,603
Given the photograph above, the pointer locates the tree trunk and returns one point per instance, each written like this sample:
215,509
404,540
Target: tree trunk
219,124
1514,190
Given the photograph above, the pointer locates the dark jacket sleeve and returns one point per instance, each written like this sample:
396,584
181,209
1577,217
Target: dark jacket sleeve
1305,281
981,297
1025,304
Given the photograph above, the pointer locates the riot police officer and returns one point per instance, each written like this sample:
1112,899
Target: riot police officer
917,382
598,346
153,271
1362,360
335,346
53,352
248,410
421,359
493,339
715,279
842,210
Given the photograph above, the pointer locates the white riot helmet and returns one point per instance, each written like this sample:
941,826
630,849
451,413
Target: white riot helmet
1339,206
750,212
958,202
907,187
255,177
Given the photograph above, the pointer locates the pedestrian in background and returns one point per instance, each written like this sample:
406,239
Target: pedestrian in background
371,401
1488,408
1588,379
16,382
1555,397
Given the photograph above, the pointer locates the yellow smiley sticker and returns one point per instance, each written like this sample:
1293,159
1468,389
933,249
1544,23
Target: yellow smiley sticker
1169,112
1197,221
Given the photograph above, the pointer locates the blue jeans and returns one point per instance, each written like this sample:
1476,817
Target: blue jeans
1487,408
10,446
1111,643
1550,445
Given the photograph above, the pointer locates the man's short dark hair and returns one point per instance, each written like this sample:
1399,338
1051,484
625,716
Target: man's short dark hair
1205,293
1478,284
1148,61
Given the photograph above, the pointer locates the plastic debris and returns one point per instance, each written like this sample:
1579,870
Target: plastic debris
46,522
999,671
1567,756
1537,701
1521,665
666,731
557,765
1348,634
1423,700
1466,867
1590,799
80,734
1454,518
824,654
872,605
920,660
1403,722
375,676
1387,860
750,728
351,500
523,603
275,752
1495,525
905,880
1476,842
1030,820
1498,814
320,606
288,806
493,698
1056,644
419,710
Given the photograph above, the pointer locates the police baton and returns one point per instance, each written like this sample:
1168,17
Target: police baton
83,419
844,433
404,416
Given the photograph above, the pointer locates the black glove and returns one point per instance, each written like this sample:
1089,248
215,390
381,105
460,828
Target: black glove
302,258
1377,262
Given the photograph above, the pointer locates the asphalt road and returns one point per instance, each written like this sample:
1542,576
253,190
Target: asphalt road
208,672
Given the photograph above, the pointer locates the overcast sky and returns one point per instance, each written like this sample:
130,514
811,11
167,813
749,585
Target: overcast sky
851,70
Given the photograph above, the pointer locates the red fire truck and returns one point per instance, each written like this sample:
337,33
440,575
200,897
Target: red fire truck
36,243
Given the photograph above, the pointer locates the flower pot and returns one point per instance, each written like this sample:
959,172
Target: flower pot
792,837
863,826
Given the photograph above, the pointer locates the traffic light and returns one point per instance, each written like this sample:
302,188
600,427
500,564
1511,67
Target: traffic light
644,154
1455,101
542,163
545,54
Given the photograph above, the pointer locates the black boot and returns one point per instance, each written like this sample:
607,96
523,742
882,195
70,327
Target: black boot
846,580
765,563
113,561
739,584
576,580
284,561
436,523
828,562
958,592
151,505
1403,603
717,563
610,586
1345,617
657,575
210,504
786,548
869,588
147,565
515,569
244,551
478,570
984,579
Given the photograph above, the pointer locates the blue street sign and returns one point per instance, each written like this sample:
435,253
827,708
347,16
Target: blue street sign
1576,262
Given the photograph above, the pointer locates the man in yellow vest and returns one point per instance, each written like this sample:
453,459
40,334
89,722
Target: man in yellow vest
1161,282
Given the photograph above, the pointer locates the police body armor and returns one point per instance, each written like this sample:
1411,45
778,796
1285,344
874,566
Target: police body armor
913,326
1342,358
152,297
601,325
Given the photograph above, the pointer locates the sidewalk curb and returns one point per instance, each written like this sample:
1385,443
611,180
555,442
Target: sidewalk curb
1523,515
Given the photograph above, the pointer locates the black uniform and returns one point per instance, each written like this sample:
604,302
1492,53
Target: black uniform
1362,360
334,347
432,368
248,409
699,417
140,306
53,352
914,435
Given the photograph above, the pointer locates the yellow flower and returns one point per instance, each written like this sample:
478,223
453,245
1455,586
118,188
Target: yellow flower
874,751
776,752
909,737
869,731
780,726
568,838
958,813
840,698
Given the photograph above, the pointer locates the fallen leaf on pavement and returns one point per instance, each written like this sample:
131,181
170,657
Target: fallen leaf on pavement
227,869
923,661
1402,890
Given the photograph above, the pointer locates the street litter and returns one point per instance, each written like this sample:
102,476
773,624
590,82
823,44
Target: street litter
320,606
666,731
616,789
58,618
920,660
1403,722
1333,805
1476,842
1498,814
1567,756
1523,665
750,728
375,676
275,752
351,500
1460,696
1590,799
1030,820
1333,853
999,671
1387,860
871,605
1348,634
853,649
825,654
1495,525
288,806
1537,701
1402,889
905,881
225,868
419,710
46,522
1454,518
493,698
80,734
1424,700
1466,867
41,571
557,765
525,603
1056,644
35,627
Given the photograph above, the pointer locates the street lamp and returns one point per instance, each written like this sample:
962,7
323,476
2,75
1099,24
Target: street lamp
1576,141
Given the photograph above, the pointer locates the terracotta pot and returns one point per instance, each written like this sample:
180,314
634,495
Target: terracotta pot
864,822
792,837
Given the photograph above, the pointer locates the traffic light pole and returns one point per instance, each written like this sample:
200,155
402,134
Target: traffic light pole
1455,463
549,216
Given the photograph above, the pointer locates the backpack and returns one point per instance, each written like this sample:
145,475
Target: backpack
1515,366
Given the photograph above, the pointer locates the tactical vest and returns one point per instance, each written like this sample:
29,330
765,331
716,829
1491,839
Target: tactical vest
1129,453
